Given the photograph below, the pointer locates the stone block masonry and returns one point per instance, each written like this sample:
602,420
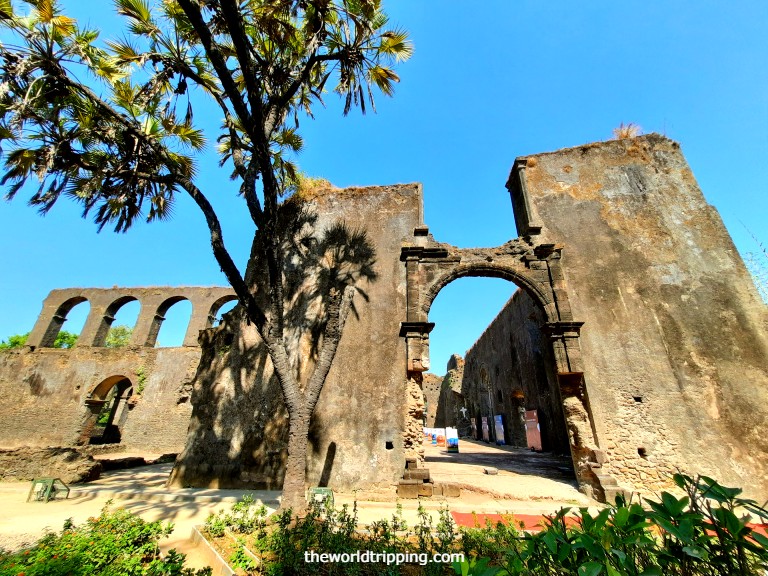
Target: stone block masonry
675,338
52,397
637,334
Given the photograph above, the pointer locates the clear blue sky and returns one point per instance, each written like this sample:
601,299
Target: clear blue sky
488,81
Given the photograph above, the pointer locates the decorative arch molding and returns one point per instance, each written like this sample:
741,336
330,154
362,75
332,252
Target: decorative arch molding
105,302
484,269
535,268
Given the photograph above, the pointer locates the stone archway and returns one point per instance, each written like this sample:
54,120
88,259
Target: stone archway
110,394
535,268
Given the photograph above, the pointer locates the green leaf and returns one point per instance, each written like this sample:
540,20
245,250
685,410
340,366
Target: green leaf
696,552
590,569
760,539
550,539
620,517
135,9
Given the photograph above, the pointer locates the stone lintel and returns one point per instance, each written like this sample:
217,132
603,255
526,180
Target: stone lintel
528,223
409,252
544,251
562,329
415,329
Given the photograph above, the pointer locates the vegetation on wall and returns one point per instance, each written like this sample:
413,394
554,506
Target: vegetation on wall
757,264
117,337
630,130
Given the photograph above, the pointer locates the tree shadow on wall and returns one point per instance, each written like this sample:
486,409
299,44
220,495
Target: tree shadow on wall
318,262
239,430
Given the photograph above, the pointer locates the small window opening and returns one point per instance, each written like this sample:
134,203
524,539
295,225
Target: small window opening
642,452
499,395
638,399
389,445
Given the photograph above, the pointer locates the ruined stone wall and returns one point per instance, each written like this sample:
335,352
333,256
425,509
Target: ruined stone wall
43,395
239,424
451,401
430,388
674,342
510,368
51,397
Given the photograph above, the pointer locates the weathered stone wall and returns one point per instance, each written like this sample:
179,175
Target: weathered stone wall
451,400
430,388
239,424
674,343
510,368
43,395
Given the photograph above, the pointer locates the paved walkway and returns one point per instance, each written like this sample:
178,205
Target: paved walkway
522,474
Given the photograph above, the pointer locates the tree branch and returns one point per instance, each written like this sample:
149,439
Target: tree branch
235,279
283,99
218,61
233,17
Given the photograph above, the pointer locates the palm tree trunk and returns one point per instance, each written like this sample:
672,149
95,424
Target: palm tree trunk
294,483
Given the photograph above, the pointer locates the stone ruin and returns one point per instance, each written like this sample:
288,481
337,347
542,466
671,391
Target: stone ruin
637,335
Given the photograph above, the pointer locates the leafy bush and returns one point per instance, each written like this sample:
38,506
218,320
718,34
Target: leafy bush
280,544
117,543
703,533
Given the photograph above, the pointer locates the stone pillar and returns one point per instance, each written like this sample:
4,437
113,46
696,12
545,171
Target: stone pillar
582,434
416,336
200,319
413,435
148,323
94,332
93,406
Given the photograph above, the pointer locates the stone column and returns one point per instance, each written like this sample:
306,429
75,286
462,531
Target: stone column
200,319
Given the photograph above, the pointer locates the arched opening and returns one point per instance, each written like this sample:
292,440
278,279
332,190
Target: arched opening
117,324
67,323
219,308
170,323
107,409
495,378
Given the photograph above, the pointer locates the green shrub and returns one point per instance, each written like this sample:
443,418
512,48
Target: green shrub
117,543
704,533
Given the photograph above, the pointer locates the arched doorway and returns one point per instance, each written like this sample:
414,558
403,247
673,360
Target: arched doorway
430,266
106,411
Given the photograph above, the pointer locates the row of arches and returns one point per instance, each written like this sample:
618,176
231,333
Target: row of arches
93,313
